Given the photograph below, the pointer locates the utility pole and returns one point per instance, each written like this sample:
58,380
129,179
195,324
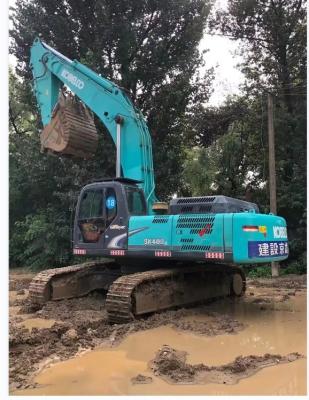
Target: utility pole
272,170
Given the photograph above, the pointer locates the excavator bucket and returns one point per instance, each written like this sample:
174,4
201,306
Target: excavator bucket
71,131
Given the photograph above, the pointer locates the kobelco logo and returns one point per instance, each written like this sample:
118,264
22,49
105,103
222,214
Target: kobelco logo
280,232
72,79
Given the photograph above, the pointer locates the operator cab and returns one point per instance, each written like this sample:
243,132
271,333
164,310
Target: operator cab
103,211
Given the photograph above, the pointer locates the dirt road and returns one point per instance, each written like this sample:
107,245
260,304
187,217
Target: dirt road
254,345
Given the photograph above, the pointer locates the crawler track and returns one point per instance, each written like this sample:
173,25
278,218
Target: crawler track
144,292
72,281
140,293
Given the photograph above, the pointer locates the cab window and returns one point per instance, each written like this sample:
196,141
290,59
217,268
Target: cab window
91,205
136,201
91,219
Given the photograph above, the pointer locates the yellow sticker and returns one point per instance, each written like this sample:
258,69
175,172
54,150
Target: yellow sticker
263,229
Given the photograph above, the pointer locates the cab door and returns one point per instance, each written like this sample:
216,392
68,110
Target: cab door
91,218
96,211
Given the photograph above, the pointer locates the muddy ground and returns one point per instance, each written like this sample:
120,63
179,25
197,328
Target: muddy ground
64,329
171,365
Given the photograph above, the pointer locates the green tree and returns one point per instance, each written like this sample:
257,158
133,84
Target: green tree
232,160
200,171
273,41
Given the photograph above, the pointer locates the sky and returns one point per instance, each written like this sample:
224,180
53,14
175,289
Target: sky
221,55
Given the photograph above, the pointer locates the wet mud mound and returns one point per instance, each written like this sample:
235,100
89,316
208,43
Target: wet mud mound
269,292
76,310
297,282
184,320
217,325
91,307
28,349
170,365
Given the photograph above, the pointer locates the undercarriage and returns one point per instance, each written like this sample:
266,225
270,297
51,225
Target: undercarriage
141,293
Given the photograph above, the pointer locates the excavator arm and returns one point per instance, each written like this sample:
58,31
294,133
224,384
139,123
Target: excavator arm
126,125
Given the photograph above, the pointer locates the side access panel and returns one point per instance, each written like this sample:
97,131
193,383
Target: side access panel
199,233
150,233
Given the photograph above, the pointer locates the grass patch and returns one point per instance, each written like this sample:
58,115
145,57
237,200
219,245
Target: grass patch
264,270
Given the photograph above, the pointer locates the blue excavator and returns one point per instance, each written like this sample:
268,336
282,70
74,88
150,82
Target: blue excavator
150,255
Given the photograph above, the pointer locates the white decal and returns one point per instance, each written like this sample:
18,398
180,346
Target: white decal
280,232
72,79
274,249
214,255
263,249
117,252
79,251
154,242
163,253
118,227
116,242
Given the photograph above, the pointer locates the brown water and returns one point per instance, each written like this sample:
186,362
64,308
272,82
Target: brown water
109,370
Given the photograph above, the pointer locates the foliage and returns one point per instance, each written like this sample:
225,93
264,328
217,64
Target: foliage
273,41
199,171
210,123
259,271
41,240
235,162
264,271
298,267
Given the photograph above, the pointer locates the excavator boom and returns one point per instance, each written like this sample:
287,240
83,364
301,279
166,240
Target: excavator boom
51,72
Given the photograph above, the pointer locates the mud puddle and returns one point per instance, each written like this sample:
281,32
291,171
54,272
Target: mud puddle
84,330
260,328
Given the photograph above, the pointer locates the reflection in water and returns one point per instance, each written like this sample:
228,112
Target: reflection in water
109,371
